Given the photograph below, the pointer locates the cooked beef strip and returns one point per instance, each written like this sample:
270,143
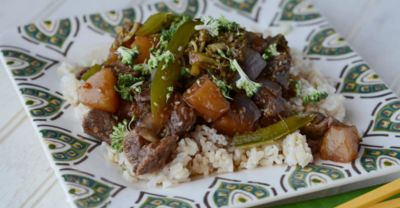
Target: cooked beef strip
147,157
135,108
133,143
340,143
156,155
138,107
99,124
126,109
182,117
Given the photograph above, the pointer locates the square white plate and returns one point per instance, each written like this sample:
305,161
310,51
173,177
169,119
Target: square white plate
33,52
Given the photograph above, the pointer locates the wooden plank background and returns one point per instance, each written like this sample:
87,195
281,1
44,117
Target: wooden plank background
26,178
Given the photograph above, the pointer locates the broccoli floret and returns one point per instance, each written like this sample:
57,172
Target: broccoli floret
228,25
144,69
166,57
223,87
308,93
244,81
213,25
297,87
314,97
127,54
117,136
270,52
126,83
210,24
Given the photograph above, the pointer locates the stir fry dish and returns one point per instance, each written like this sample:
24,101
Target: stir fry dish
208,96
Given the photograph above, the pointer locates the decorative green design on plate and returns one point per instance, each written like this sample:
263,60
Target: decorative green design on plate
388,118
22,64
89,192
50,32
189,7
299,10
107,22
149,200
237,193
328,43
313,174
360,79
41,103
246,6
372,159
234,193
64,147
159,201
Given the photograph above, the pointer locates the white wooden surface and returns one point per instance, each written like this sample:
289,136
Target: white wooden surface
26,179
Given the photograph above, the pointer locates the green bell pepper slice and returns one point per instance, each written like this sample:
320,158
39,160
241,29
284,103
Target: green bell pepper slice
165,78
92,70
155,23
272,133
